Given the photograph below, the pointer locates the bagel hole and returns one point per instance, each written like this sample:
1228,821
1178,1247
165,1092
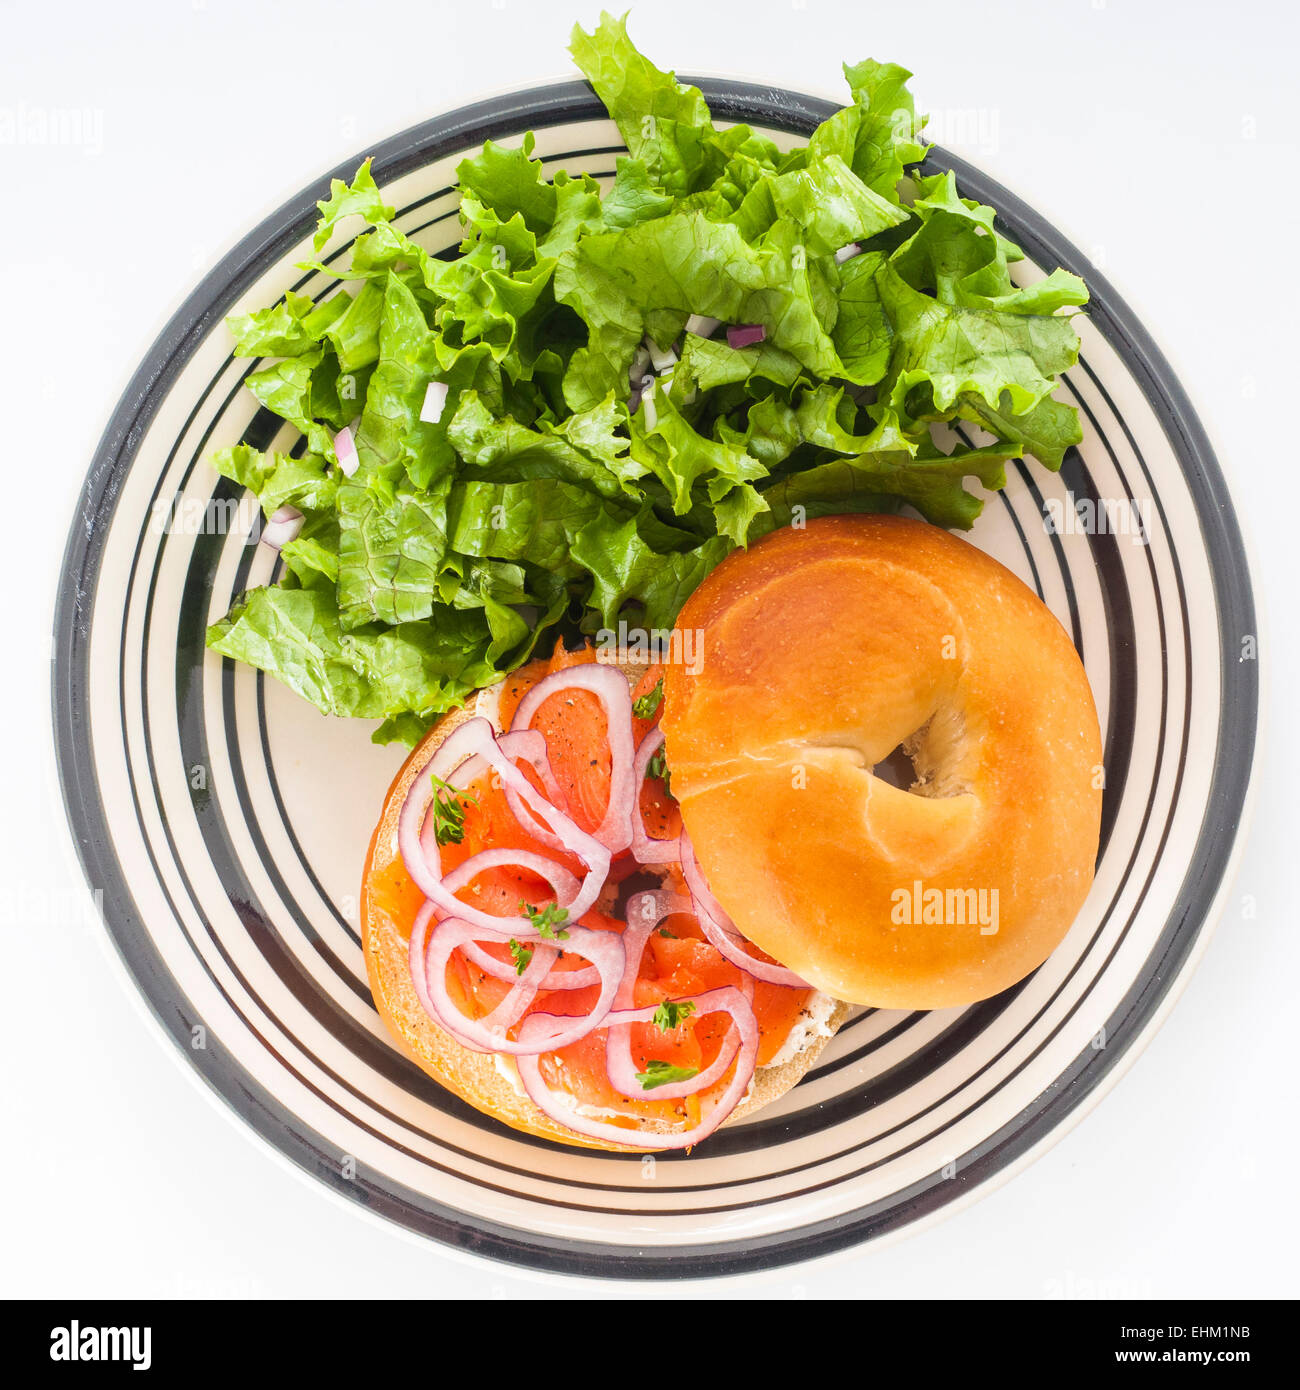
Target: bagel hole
897,769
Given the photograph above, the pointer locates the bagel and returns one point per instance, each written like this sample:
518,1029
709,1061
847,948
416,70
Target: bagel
486,1081
823,649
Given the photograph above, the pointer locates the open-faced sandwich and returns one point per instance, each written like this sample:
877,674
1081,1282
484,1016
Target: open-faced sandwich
564,904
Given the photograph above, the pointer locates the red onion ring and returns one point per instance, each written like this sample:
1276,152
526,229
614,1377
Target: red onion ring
645,848
474,739
537,1029
644,913
610,687
432,947
505,971
721,931
561,880
528,745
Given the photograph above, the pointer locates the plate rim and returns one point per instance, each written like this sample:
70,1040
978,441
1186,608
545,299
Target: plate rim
1046,1118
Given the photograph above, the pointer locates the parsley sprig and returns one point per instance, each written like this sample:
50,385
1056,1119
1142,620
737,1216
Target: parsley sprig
658,767
549,921
522,955
647,704
659,1073
672,1014
448,809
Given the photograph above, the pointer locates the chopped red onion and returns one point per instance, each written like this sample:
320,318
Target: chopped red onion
345,451
435,400
283,527
702,326
645,384
847,253
745,335
660,359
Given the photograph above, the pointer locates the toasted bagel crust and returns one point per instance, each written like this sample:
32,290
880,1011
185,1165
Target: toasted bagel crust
475,1076
821,650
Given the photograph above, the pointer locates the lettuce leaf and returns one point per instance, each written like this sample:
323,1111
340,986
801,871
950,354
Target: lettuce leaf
294,634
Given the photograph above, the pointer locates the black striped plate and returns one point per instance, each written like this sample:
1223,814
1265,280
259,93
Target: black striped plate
225,821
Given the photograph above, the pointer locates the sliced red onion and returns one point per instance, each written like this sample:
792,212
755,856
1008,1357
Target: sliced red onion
531,824
721,931
528,745
646,849
537,1028
435,400
702,326
744,335
345,450
847,253
622,1069
507,1013
564,884
283,527
509,972
610,687
473,742
432,948
644,913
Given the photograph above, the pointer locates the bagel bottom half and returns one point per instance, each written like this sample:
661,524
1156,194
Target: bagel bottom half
488,1082
819,652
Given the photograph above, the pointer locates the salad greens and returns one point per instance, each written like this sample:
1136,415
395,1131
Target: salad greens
557,489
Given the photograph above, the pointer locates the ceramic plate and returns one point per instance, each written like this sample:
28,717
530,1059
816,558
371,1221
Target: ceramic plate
225,821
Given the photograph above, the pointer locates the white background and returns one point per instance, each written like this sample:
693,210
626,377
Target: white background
1160,137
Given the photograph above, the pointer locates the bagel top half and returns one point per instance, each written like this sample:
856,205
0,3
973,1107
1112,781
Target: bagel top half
821,650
